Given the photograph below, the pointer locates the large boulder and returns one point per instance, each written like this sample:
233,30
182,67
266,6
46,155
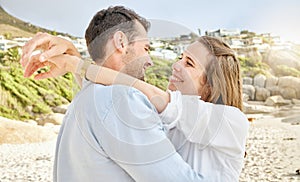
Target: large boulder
259,81
290,82
285,57
271,82
288,93
248,81
250,91
261,94
274,90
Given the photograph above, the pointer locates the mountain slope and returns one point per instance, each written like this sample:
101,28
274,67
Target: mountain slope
17,27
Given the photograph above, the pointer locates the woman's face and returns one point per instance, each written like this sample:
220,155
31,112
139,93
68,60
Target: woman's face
188,75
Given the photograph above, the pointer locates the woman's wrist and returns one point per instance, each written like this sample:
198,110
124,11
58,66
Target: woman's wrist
81,67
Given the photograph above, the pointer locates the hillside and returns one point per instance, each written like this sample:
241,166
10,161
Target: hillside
15,32
23,98
18,28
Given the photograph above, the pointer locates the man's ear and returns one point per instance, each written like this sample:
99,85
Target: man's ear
120,41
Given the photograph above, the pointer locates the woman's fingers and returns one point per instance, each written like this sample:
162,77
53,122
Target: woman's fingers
40,40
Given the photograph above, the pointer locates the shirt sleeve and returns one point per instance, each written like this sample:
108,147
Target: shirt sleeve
132,135
223,127
172,113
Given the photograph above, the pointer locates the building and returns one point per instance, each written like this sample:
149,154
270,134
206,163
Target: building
223,32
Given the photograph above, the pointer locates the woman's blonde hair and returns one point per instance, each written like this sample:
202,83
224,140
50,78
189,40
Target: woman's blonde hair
223,73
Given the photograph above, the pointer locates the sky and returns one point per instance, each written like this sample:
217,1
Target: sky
280,17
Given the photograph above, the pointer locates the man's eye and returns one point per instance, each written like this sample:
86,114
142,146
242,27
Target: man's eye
179,57
147,50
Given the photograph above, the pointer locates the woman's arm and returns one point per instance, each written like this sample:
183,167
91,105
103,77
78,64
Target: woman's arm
63,63
106,76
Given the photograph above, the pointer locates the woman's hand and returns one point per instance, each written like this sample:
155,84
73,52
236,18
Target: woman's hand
50,46
58,65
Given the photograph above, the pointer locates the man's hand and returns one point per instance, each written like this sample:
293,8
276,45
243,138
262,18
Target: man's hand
50,46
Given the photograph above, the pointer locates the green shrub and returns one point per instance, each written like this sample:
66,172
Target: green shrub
158,74
283,70
250,67
23,93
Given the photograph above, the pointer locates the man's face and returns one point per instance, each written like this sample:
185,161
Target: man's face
136,59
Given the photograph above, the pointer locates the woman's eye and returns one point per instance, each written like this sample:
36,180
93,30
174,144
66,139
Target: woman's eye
189,63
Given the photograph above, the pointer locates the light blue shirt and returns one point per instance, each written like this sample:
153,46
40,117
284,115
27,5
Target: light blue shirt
113,133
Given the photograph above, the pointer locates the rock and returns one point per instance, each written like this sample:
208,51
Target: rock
271,82
288,57
290,82
276,100
296,101
54,118
261,94
62,109
255,109
274,90
288,93
247,81
245,97
249,90
259,81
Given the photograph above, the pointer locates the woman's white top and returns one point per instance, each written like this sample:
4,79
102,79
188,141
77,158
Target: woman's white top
211,138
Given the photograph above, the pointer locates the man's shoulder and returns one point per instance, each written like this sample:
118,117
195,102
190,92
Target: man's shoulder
117,90
120,94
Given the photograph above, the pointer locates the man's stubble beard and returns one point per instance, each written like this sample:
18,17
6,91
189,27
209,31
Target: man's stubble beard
134,66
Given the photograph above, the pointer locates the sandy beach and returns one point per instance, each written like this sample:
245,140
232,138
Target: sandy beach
273,151
273,154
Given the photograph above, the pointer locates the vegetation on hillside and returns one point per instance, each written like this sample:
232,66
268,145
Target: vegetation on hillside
23,98
250,67
158,74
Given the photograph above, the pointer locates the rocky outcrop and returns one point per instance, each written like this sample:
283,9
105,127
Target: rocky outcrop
263,87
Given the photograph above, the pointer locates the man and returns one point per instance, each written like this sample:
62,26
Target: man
111,133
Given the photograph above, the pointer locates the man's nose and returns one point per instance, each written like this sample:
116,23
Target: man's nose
149,62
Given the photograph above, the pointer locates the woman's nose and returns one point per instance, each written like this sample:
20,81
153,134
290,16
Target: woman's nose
176,66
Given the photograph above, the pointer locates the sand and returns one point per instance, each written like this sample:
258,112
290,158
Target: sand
273,153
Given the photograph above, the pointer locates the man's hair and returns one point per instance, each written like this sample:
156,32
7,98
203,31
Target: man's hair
108,21
223,73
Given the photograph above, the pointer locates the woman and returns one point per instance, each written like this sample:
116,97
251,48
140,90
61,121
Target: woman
209,132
